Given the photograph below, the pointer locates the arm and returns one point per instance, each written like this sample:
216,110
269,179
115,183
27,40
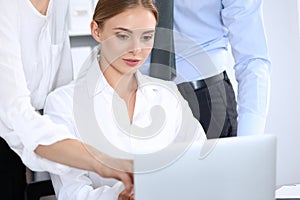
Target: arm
252,66
76,154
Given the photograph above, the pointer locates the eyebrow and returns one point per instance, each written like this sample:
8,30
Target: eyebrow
130,31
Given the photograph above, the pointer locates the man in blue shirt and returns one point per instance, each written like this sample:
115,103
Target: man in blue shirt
202,32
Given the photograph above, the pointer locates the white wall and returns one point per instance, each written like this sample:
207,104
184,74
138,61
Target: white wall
282,28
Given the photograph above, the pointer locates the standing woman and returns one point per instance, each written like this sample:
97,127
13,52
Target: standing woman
35,59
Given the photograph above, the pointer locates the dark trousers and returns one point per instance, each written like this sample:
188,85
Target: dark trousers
214,105
12,174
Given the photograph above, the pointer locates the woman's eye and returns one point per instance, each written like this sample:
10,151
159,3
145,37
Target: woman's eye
147,37
122,36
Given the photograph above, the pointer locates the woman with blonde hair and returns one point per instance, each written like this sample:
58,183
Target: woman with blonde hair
111,89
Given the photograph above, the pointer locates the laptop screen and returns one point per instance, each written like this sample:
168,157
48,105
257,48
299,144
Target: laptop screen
240,168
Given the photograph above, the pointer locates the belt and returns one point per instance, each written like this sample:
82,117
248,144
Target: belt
198,84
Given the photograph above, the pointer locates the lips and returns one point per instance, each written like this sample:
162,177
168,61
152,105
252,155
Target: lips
131,62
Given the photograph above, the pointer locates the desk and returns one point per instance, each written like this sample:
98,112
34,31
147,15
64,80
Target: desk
291,192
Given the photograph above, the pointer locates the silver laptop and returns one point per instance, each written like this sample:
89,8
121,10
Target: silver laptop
240,168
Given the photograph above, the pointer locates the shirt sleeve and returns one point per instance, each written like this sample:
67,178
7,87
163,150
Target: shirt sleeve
26,129
243,20
77,185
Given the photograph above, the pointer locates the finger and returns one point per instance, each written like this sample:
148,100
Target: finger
132,196
125,194
132,191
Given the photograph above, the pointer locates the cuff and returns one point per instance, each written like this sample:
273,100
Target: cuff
250,124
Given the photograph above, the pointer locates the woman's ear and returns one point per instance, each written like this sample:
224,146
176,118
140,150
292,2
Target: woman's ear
96,32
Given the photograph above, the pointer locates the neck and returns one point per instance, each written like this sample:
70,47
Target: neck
41,6
125,85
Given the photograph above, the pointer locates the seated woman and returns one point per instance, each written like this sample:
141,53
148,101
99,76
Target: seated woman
117,105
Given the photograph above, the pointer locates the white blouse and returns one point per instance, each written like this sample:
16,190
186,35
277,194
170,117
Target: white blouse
98,100
35,58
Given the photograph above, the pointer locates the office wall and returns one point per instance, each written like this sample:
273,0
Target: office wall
282,28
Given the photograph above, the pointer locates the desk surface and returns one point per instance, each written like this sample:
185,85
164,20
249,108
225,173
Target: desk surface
291,192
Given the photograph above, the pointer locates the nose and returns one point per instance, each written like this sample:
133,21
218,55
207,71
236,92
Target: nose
136,51
136,47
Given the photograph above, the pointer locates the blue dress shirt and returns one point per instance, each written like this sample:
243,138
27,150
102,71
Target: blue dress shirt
203,30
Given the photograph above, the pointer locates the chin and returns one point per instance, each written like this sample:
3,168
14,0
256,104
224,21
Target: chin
131,71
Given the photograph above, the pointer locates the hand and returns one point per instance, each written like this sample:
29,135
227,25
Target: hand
127,194
109,167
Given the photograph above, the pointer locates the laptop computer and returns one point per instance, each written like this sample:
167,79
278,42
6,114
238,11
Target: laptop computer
239,168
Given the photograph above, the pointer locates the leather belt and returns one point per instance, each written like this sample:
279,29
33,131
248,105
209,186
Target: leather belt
198,84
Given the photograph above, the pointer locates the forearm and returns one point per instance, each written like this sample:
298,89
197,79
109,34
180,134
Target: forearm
76,154
253,98
69,152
